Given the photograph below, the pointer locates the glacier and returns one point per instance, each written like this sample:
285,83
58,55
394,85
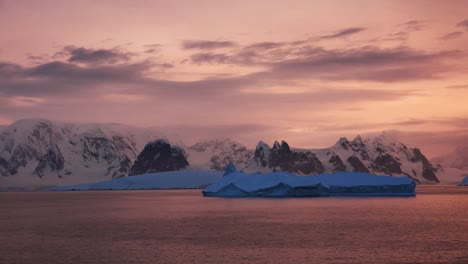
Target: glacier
188,179
285,184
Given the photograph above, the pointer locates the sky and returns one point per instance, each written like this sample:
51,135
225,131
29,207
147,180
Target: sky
307,72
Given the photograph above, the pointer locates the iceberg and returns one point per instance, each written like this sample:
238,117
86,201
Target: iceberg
464,182
187,179
285,184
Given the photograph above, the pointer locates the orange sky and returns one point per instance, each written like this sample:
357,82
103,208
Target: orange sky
308,72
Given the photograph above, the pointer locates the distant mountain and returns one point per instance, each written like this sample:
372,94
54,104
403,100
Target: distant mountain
159,156
37,152
217,153
455,164
377,155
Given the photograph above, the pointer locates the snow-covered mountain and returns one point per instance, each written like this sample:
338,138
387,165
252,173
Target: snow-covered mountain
38,152
161,155
217,153
378,155
42,152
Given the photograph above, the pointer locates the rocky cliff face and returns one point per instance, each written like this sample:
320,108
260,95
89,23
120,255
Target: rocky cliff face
377,155
159,156
282,158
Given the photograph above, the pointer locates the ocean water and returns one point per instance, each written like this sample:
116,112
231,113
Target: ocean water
181,226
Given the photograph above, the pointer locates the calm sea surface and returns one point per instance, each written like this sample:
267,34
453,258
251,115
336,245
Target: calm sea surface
181,226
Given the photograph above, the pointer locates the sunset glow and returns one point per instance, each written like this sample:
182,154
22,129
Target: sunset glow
306,71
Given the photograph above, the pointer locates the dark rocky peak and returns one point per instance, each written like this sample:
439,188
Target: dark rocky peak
276,145
360,147
280,155
262,144
262,154
386,143
282,158
159,156
358,140
357,143
160,142
343,142
285,146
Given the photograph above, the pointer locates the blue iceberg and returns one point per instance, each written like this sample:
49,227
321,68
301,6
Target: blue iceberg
464,182
285,184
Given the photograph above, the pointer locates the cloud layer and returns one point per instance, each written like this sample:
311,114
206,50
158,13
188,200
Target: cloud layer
83,55
343,33
207,44
238,69
463,24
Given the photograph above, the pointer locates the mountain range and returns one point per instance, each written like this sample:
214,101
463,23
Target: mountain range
375,155
38,152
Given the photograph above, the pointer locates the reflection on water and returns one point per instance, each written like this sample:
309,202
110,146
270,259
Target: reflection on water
181,226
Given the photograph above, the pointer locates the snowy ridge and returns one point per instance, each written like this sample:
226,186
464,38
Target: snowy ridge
379,155
217,153
40,152
285,184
